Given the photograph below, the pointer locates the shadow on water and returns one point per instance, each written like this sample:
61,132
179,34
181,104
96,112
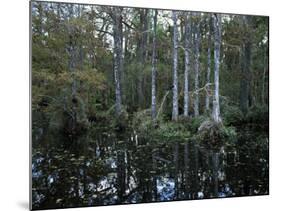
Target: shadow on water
120,169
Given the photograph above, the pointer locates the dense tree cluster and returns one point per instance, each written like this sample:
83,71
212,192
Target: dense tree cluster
94,63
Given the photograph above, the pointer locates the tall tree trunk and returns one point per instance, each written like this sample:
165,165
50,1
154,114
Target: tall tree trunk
217,38
117,56
196,79
187,47
175,112
153,75
245,68
141,54
140,65
144,46
207,100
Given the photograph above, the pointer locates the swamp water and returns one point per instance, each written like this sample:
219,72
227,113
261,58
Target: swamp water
123,169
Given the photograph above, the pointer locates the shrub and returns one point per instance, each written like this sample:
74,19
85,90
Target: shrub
232,115
171,130
214,135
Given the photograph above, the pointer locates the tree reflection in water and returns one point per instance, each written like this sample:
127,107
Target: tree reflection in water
120,169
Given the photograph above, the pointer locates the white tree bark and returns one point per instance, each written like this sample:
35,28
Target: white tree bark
186,63
196,79
175,111
153,74
207,100
217,38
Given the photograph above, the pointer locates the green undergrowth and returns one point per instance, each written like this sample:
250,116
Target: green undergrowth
215,135
200,129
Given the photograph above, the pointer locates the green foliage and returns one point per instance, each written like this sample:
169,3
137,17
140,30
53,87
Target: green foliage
196,122
231,115
172,131
229,134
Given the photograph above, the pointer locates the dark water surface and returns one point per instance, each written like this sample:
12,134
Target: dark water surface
120,169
